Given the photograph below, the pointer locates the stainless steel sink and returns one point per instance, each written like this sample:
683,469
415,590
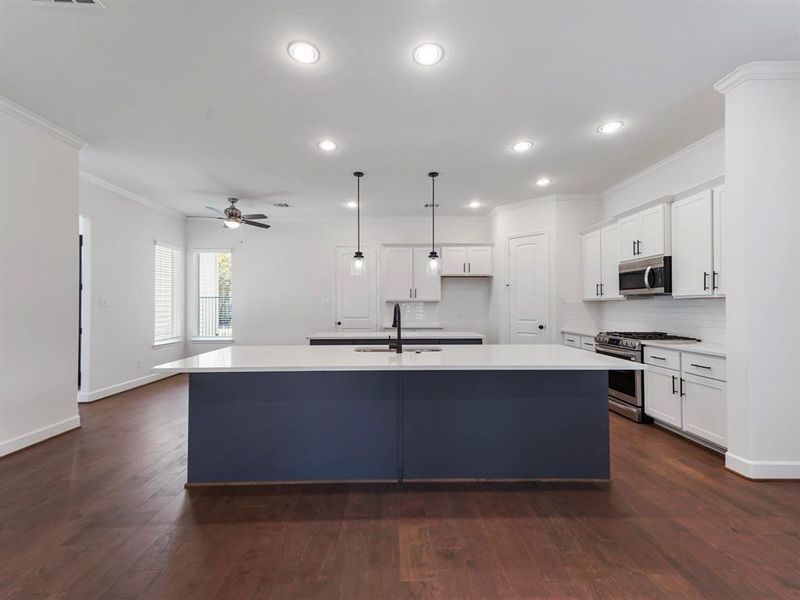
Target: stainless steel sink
411,349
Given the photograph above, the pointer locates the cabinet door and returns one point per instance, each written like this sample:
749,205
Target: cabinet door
592,265
718,279
479,260
427,286
692,246
629,234
662,398
454,260
397,282
652,240
610,246
704,408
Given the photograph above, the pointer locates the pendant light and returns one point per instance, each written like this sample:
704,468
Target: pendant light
357,264
433,256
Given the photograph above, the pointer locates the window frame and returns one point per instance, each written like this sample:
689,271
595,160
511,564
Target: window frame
177,304
195,289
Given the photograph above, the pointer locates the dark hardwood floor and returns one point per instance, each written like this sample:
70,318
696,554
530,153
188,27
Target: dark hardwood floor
101,512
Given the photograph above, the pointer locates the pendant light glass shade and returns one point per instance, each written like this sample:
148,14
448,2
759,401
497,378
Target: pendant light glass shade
432,268
357,264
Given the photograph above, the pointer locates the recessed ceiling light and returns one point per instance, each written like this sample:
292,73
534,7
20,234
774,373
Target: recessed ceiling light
351,204
610,127
521,146
543,181
428,54
475,204
303,52
327,145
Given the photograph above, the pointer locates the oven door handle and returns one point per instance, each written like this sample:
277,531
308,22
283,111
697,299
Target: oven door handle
615,353
647,272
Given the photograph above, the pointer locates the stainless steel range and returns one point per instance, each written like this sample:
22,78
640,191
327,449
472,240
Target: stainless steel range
626,393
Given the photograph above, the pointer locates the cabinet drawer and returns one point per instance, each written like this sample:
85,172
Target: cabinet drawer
571,339
669,359
587,343
704,365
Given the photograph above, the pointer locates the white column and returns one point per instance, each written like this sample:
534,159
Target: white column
762,268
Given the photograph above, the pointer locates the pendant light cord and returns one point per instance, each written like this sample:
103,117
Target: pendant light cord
358,213
433,214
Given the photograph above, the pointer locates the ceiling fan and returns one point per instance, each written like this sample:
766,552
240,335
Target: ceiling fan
232,217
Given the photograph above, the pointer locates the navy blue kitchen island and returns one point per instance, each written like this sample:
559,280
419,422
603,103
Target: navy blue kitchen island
263,414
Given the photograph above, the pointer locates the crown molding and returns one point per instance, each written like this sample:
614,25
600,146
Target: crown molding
761,70
31,118
712,137
553,196
127,194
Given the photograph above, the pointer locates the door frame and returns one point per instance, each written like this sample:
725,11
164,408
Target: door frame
545,233
86,306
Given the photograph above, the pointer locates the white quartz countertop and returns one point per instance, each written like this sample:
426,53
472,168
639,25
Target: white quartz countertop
698,347
383,335
488,357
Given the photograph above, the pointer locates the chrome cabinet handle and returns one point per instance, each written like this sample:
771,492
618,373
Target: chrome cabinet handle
701,366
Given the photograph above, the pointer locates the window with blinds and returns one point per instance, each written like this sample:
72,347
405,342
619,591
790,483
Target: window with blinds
167,313
213,299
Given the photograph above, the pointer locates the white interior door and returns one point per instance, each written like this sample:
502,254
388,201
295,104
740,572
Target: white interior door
529,311
356,295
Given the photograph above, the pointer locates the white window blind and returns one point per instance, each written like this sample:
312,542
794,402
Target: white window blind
167,268
213,300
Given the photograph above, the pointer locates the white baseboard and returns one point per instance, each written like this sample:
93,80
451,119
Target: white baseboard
38,435
120,387
763,469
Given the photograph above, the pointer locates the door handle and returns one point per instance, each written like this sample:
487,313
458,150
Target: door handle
673,384
647,277
338,322
681,386
542,327
705,281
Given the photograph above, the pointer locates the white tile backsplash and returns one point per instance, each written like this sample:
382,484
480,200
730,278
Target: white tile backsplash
701,318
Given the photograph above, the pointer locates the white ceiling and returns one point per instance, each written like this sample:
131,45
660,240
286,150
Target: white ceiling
186,103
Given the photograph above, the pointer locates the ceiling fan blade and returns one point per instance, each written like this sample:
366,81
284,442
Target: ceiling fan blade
216,210
256,224
255,216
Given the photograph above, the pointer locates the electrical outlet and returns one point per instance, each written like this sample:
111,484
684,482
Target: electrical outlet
102,301
139,363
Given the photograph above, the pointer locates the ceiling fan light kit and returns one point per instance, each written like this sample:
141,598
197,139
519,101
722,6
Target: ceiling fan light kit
232,217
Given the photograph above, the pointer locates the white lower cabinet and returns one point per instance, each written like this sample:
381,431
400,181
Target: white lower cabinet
684,400
704,408
662,396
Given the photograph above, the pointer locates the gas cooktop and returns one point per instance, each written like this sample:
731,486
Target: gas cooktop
632,340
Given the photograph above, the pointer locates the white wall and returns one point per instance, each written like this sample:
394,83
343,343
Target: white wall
701,164
282,280
38,277
120,264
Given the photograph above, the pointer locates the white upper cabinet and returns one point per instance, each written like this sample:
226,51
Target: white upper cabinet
454,260
645,234
427,286
592,265
717,278
600,252
610,247
692,246
697,269
405,276
467,261
397,281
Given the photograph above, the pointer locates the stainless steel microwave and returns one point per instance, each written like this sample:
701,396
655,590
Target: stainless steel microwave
646,276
